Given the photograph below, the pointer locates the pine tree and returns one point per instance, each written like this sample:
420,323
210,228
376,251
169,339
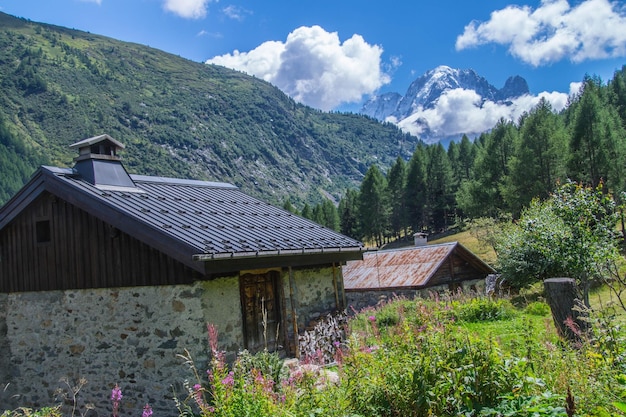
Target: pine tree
289,207
482,195
307,213
349,214
439,196
538,163
415,193
589,157
330,215
467,155
373,205
396,185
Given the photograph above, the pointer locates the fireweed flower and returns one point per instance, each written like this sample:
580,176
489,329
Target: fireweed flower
116,397
197,393
229,380
116,394
147,411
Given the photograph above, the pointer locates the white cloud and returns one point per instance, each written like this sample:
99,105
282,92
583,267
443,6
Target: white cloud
98,2
216,35
593,29
236,12
574,88
189,9
314,67
460,111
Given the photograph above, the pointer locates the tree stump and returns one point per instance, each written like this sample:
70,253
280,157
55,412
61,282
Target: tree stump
564,298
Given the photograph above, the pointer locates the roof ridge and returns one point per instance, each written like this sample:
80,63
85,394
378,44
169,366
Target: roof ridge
180,181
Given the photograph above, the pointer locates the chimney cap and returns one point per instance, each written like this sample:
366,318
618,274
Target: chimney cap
99,164
98,147
96,139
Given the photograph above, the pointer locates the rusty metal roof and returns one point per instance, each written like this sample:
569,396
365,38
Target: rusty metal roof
409,267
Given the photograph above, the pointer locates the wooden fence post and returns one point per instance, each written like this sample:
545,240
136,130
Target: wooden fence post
563,296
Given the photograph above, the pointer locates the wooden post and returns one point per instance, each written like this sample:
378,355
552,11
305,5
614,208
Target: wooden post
563,296
335,286
294,314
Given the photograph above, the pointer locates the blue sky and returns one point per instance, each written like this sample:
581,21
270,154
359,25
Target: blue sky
334,54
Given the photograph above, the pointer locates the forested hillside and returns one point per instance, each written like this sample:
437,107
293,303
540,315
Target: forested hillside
177,118
499,173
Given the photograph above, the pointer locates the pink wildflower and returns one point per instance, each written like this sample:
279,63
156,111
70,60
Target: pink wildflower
116,394
372,318
339,355
212,330
147,411
197,393
259,377
229,380
116,397
572,325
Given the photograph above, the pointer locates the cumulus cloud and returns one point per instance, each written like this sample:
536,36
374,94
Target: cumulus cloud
459,111
593,29
188,9
314,67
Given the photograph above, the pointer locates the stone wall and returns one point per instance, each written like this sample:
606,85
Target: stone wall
359,300
130,336
316,294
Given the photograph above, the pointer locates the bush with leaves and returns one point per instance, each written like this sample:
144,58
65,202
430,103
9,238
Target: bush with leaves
571,234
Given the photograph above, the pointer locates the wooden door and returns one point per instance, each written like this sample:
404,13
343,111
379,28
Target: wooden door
260,300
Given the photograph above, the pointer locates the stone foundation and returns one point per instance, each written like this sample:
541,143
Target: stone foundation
359,300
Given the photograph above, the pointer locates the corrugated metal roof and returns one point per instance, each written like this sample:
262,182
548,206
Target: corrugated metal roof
407,267
215,219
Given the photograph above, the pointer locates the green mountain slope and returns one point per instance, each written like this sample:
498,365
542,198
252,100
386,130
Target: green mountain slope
176,117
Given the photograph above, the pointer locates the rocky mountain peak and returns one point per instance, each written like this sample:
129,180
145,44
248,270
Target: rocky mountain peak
426,90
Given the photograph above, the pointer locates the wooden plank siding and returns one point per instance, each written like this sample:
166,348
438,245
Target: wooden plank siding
455,269
83,252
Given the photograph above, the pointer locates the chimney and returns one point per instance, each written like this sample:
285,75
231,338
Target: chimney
99,164
420,238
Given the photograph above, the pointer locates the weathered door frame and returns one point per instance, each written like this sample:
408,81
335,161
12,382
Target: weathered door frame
262,289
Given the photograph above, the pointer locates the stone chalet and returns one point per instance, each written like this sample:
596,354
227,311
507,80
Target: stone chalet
109,277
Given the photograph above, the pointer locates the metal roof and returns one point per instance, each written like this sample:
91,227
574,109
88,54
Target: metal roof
409,267
192,220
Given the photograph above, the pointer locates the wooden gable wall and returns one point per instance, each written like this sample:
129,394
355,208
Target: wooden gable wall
53,245
455,268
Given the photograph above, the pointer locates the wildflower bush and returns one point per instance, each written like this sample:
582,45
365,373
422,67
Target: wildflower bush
247,388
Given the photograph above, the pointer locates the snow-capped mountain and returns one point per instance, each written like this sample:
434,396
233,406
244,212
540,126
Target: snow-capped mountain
436,103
